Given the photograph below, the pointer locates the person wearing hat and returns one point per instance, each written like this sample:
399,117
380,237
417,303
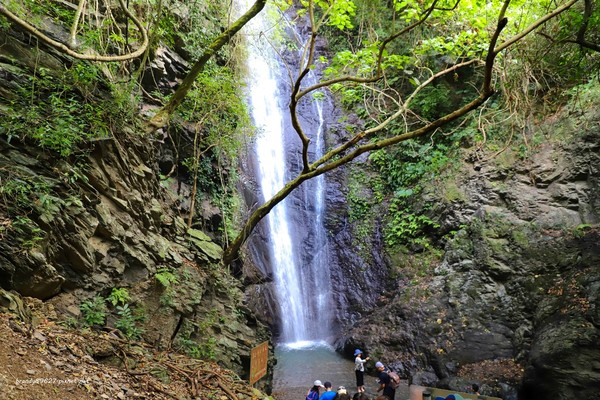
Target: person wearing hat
342,394
359,370
328,394
313,392
385,381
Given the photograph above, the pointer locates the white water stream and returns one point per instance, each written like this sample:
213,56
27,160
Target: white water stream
298,245
302,283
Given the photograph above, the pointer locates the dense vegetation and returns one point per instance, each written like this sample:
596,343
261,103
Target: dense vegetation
411,71
66,110
534,79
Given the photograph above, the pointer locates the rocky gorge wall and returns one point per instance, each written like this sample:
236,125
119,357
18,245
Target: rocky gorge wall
513,302
101,220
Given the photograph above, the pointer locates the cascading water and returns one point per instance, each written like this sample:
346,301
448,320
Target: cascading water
296,237
319,263
266,112
293,233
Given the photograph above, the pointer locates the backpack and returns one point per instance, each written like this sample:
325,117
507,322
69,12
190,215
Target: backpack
312,396
394,379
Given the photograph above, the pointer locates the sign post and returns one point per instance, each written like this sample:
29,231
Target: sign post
259,356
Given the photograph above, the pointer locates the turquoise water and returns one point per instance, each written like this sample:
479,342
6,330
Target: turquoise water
300,364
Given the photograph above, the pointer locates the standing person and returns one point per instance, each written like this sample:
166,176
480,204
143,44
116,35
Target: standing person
328,394
359,370
313,392
385,382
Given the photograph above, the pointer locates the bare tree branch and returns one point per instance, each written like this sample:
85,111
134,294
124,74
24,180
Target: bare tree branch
73,34
533,26
587,13
67,50
297,93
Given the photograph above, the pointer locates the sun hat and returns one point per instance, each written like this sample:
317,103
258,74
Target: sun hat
378,364
318,383
342,390
357,352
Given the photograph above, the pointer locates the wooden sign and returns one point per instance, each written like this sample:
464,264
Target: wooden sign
258,362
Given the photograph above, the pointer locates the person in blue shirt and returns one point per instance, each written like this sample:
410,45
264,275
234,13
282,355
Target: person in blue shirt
328,394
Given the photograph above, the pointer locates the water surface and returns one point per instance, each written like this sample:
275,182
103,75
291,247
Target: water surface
300,364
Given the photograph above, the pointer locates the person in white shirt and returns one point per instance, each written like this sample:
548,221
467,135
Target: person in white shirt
359,370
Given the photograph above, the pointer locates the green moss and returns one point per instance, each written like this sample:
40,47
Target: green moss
451,192
520,237
498,245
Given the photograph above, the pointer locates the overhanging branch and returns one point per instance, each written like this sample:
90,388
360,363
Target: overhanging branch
67,50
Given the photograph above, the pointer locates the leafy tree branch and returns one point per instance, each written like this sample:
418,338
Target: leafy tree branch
162,117
358,144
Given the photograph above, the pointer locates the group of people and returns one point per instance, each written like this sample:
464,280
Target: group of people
314,393
388,392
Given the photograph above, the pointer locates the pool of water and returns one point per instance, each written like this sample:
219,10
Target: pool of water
300,364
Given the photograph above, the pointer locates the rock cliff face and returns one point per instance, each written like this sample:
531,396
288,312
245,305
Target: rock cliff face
513,304
102,220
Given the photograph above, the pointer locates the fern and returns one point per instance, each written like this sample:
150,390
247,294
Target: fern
165,277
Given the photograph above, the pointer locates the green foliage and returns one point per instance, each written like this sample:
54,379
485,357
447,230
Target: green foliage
15,192
62,109
357,62
165,277
94,311
403,168
30,235
197,339
403,173
336,13
54,115
74,174
404,225
219,114
21,197
118,296
205,350
582,229
4,23
359,201
585,96
184,288
202,26
215,103
434,101
49,8
127,322
26,198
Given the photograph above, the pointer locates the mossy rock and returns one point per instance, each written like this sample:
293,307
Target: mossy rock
204,243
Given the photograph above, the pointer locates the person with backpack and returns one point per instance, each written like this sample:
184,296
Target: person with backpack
313,392
359,370
385,381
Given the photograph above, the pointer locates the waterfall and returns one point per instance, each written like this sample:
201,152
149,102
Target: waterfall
297,241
